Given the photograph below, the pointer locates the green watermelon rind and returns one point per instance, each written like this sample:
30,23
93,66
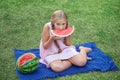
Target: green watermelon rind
24,68
30,70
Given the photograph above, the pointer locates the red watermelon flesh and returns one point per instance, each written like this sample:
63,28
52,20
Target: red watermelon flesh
25,58
63,33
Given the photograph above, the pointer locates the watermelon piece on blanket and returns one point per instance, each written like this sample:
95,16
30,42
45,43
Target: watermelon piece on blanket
27,63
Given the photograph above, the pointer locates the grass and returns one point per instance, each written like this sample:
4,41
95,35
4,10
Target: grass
21,24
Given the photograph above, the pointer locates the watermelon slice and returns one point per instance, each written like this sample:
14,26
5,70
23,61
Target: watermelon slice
63,33
27,63
24,58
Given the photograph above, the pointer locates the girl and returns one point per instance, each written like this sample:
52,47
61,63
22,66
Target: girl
57,53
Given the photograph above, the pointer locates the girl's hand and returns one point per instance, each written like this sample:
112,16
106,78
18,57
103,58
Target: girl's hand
55,37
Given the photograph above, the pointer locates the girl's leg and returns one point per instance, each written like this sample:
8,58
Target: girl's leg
59,65
81,59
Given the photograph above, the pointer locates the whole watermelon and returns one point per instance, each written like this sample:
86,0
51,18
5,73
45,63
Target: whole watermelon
27,63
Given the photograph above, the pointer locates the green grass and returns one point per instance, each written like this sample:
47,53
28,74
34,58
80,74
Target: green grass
21,24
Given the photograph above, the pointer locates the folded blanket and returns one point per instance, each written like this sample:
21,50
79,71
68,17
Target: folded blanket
100,62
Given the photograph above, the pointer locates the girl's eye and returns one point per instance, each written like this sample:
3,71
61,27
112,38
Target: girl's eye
63,24
58,24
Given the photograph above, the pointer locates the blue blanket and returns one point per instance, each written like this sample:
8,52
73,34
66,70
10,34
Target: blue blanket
100,62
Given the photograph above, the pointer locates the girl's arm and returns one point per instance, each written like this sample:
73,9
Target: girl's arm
68,41
46,39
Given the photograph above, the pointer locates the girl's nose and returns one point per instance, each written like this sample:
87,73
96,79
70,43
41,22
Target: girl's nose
61,27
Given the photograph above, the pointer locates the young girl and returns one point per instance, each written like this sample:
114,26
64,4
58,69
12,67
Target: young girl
57,53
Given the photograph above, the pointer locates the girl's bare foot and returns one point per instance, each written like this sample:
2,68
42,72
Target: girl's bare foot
87,50
89,58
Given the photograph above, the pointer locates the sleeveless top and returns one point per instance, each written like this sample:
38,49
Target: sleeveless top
53,49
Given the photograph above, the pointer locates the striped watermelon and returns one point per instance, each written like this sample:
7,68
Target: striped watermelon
27,63
63,33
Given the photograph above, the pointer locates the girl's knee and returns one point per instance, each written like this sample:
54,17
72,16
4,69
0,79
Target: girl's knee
80,62
57,67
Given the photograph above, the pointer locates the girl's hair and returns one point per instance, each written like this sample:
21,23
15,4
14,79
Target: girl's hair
59,14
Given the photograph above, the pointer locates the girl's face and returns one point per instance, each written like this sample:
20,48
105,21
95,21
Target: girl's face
60,24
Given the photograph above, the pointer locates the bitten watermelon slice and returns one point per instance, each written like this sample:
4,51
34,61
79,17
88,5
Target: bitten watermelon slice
27,63
63,33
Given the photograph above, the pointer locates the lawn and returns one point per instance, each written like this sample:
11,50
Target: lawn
21,24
